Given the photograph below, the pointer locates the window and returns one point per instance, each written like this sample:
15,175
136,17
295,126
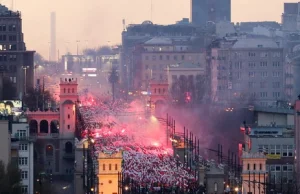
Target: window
68,90
264,94
23,147
21,133
24,175
251,74
287,150
275,173
109,167
276,94
64,90
103,167
251,64
287,173
254,166
263,54
275,149
116,166
263,63
248,166
160,57
73,90
12,57
182,57
251,54
263,148
68,116
264,74
153,58
168,57
159,90
24,189
238,65
68,126
2,28
23,161
276,64
276,74
260,166
175,57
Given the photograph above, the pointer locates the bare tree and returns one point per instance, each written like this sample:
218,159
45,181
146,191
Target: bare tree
114,79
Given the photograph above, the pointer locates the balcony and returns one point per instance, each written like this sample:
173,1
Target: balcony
17,137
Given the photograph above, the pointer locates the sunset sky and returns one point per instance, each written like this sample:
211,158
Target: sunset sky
99,22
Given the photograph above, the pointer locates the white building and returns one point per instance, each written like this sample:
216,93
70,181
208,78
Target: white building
22,148
249,70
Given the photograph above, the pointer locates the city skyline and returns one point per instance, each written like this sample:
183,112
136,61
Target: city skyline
97,25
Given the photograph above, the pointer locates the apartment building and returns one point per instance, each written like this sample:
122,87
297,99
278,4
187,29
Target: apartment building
159,53
133,37
17,147
203,11
247,70
273,135
16,63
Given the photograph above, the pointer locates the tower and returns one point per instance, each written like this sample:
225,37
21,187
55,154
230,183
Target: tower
110,164
254,174
52,51
68,97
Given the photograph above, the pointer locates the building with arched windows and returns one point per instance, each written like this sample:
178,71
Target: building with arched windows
54,132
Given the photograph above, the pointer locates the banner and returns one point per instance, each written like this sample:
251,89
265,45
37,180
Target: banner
273,156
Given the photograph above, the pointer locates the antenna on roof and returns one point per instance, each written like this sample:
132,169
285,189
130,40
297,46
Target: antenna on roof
151,10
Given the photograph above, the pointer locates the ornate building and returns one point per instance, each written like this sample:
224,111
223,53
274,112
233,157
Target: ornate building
54,132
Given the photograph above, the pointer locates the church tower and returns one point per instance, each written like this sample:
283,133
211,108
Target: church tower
68,97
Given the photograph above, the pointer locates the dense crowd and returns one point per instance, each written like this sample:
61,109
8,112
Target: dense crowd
143,163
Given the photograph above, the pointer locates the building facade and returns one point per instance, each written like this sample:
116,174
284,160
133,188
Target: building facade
248,70
158,54
290,18
254,173
16,63
22,151
133,38
272,134
54,132
203,11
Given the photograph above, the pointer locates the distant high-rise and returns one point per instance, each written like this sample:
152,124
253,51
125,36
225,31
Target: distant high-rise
52,52
16,63
203,11
290,17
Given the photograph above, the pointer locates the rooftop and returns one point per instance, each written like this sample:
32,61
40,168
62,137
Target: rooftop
159,41
255,43
5,12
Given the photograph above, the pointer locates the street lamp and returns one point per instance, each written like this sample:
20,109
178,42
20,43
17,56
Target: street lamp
77,41
25,77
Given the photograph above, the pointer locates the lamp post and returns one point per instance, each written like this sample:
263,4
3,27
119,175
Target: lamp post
77,41
25,78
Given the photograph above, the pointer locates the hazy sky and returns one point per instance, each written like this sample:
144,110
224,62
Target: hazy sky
97,22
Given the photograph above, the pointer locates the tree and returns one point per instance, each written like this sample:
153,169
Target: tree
199,88
104,50
9,89
10,179
113,79
38,59
37,98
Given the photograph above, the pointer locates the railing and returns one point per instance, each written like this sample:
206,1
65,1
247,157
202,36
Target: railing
55,135
22,138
